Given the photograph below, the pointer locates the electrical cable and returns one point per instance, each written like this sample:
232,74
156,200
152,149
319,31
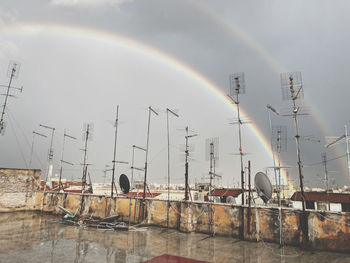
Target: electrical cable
19,145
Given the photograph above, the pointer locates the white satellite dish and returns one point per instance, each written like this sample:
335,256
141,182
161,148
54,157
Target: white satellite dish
263,186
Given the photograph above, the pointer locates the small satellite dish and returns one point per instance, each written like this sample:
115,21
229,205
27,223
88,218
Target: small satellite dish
230,200
124,183
263,186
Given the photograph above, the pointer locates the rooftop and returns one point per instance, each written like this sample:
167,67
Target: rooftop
323,197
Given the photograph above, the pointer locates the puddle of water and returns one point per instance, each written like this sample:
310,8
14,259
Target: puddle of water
32,237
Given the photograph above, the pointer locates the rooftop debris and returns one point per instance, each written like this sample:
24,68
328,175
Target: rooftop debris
107,223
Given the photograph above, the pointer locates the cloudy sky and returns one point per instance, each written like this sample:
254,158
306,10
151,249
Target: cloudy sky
81,58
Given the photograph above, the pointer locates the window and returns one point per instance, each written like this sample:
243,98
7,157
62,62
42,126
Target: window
310,204
322,206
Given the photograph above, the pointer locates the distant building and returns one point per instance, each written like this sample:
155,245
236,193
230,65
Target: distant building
202,186
325,201
226,195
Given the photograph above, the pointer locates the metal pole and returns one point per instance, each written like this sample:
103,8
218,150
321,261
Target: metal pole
240,138
115,151
132,179
168,140
13,71
324,161
186,165
62,160
211,170
347,150
241,232
249,185
210,189
50,154
32,148
147,145
84,163
297,137
272,150
145,177
59,181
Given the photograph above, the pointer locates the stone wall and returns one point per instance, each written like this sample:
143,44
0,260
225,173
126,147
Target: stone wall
18,188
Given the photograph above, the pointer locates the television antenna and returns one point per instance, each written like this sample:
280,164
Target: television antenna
172,112
50,152
115,152
13,72
212,155
32,148
337,140
324,162
134,147
87,136
237,86
65,135
292,89
150,111
279,140
187,153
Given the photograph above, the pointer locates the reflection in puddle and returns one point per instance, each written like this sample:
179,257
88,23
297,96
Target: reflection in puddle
32,237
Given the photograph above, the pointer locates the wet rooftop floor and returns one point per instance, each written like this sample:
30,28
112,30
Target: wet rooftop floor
32,237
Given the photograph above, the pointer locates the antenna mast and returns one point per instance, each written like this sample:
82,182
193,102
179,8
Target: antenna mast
150,110
324,161
132,174
87,136
115,151
62,160
212,154
187,153
50,153
32,148
237,86
168,140
13,73
290,81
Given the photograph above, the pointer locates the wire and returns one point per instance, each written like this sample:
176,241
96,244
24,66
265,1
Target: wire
19,145
25,138
329,160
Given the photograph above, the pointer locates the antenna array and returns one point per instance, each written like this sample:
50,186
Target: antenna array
279,138
292,86
237,84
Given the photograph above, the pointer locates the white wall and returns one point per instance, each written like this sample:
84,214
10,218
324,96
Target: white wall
336,207
297,205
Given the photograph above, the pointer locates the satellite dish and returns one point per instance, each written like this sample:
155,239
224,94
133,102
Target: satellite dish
124,183
263,186
230,200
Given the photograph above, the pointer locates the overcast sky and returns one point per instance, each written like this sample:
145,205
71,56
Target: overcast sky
74,71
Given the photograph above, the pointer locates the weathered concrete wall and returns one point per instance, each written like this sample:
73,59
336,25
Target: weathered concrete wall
317,230
18,189
324,231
